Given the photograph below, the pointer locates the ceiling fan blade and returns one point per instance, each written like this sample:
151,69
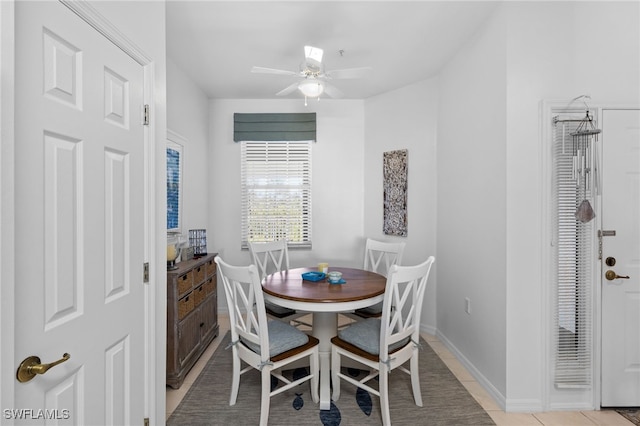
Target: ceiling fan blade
263,70
349,73
288,89
332,91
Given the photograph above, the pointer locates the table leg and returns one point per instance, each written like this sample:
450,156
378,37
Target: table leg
325,326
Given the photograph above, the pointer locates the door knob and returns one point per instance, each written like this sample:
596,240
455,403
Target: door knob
31,366
611,275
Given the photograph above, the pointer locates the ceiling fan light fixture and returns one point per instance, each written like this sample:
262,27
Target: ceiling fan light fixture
311,88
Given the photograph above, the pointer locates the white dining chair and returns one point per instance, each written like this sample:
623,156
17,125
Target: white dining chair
270,257
379,256
386,343
267,346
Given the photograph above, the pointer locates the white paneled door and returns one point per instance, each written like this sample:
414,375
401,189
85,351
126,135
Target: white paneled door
621,258
79,150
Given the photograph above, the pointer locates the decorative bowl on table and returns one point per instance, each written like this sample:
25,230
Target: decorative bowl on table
335,277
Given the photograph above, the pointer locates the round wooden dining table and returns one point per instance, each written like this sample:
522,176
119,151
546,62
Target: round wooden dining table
324,301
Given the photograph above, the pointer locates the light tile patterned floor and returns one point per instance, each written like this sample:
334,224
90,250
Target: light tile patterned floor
557,418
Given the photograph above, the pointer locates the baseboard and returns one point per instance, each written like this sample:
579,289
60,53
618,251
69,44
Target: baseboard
429,329
497,396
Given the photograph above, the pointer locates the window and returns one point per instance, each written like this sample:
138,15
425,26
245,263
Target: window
574,256
276,192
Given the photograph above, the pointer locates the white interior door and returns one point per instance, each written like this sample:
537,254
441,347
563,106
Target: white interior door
79,156
621,290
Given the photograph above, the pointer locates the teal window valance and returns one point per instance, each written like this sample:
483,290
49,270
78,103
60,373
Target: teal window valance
274,127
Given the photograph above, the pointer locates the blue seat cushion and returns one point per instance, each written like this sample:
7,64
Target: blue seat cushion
365,335
282,337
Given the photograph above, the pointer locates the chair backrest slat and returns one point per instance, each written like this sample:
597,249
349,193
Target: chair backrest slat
402,306
379,256
247,314
270,257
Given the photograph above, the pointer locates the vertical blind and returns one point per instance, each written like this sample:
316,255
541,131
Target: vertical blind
276,192
574,267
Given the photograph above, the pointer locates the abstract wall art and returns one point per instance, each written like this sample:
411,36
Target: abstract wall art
395,192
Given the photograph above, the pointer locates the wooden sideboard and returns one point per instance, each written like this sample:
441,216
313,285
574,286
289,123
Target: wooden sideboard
192,315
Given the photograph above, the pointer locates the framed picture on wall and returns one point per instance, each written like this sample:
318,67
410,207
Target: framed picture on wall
175,165
395,192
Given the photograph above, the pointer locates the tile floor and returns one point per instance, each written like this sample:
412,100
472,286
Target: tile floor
563,418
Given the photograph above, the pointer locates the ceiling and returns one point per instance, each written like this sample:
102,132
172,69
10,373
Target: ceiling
216,43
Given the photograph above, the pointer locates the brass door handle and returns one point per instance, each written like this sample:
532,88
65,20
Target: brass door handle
611,275
31,366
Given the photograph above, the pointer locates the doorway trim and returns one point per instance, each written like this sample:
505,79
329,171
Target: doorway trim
7,207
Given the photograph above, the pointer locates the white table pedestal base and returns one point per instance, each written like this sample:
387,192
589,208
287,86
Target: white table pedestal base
325,326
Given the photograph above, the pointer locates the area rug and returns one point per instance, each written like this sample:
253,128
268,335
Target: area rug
631,414
445,400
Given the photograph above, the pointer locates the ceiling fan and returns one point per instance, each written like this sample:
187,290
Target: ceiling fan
312,77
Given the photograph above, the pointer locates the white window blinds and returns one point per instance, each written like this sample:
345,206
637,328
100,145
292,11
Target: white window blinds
276,192
574,266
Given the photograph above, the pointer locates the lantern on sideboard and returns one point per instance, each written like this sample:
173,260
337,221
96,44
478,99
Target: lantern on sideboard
198,240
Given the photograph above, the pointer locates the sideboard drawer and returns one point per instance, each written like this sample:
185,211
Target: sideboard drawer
210,285
199,274
199,294
186,305
211,268
185,282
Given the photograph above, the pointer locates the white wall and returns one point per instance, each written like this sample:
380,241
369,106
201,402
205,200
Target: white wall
405,119
188,115
337,179
471,204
